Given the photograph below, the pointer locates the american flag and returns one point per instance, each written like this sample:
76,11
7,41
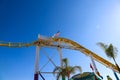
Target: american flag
56,35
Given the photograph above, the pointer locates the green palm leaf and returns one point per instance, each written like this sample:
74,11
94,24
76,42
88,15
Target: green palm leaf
66,70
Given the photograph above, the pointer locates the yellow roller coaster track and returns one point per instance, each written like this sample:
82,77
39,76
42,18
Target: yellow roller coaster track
62,43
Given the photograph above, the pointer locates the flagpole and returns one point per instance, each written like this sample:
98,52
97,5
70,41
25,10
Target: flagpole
36,73
95,68
94,65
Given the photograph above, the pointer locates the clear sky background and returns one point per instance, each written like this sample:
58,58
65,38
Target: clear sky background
83,21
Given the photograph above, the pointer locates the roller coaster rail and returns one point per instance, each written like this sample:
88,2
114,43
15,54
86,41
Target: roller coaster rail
62,43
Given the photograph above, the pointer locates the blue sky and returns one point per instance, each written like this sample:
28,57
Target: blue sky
83,21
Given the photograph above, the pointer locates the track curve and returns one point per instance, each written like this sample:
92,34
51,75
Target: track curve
62,43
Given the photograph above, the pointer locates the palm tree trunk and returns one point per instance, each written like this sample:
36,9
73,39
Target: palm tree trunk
116,65
63,77
68,75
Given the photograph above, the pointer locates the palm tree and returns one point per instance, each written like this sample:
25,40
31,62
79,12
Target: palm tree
66,70
110,51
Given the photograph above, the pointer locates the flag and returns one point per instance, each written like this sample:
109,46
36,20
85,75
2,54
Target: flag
95,68
93,63
91,67
56,35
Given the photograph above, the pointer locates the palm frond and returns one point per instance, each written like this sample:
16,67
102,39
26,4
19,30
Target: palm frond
65,70
102,45
111,51
57,69
65,62
75,68
115,51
